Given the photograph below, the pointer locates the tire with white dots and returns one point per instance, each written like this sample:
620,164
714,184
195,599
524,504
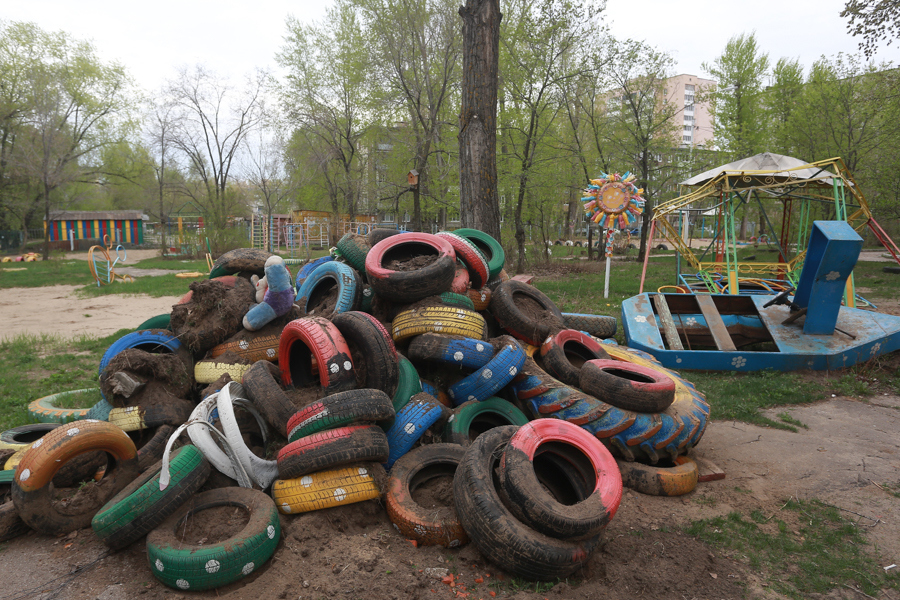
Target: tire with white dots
328,488
467,353
376,358
319,284
337,410
252,346
203,567
492,377
303,340
438,319
409,425
332,448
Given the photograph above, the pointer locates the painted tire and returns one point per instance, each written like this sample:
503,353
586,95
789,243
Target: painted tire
149,340
157,322
307,269
468,254
460,283
539,509
510,544
600,326
628,386
260,347
354,248
137,418
44,410
24,436
338,410
505,306
329,488
375,359
454,299
322,280
208,371
408,384
248,260
141,506
409,425
677,480
488,246
438,319
381,233
99,411
31,489
494,282
563,355
429,526
467,353
411,286
481,299
367,298
492,377
195,567
332,448
471,419
315,337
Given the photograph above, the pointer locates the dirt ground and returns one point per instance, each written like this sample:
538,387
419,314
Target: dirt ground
850,448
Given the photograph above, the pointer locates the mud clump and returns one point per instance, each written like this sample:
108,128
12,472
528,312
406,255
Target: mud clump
212,315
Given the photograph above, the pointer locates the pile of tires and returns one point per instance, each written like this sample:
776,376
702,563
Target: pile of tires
411,371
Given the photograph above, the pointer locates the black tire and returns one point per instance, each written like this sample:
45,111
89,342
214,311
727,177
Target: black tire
628,386
600,326
261,383
564,353
662,247
375,359
895,270
141,506
471,419
332,448
501,537
376,235
202,567
338,410
22,436
467,353
248,260
153,450
539,319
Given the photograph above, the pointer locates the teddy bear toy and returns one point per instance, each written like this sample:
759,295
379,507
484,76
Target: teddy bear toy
274,294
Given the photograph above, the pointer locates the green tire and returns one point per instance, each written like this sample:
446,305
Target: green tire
354,248
158,322
194,567
44,410
451,299
474,418
489,247
141,506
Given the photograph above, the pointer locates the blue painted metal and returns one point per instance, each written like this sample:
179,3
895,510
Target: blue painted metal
876,334
830,257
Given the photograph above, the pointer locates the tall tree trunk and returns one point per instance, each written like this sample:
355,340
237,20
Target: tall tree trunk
479,203
46,222
648,204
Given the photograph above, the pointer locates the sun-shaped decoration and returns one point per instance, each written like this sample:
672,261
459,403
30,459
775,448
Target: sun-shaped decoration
613,201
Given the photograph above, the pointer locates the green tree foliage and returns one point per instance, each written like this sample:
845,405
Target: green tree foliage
874,20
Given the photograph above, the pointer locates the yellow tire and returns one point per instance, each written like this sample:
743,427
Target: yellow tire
324,489
207,371
677,480
452,320
13,461
127,419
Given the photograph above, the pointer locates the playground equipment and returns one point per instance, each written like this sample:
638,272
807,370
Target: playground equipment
102,269
803,189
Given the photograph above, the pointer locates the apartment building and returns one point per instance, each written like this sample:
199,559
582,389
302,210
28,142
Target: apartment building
696,116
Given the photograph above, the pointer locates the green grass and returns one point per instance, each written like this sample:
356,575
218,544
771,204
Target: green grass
806,548
35,366
156,286
56,271
173,264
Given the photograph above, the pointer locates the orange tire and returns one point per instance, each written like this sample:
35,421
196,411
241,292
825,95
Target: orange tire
263,347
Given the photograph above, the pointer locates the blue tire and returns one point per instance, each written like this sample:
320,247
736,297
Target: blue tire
409,425
307,269
326,276
492,377
468,353
151,340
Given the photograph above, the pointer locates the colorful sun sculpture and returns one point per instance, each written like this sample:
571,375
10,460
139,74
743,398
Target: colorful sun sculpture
613,201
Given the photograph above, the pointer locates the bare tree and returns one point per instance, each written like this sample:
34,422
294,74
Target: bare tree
161,130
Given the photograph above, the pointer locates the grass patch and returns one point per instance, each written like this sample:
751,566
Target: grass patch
172,264
56,271
786,418
806,549
156,286
35,366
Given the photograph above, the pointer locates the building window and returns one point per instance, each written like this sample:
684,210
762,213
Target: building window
688,119
688,88
686,138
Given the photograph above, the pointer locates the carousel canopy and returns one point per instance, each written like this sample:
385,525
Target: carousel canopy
763,169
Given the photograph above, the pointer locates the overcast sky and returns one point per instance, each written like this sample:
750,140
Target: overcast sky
152,39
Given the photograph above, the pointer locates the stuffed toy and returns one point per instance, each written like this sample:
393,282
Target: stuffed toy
261,285
277,295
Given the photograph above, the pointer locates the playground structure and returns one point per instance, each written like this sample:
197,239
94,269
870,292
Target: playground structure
103,268
803,189
305,229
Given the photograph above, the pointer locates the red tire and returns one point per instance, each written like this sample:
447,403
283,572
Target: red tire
536,507
460,283
564,353
470,256
317,338
413,285
332,448
627,385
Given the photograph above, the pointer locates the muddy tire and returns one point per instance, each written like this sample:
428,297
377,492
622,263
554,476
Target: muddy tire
492,377
23,436
467,353
428,526
332,448
508,542
321,281
260,347
628,386
248,260
338,410
675,479
488,246
563,354
315,337
409,425
471,419
354,248
31,489
203,567
438,319
600,326
329,488
414,285
137,418
537,508
261,386
375,356
141,506
152,451
494,282
481,299
470,256
525,312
